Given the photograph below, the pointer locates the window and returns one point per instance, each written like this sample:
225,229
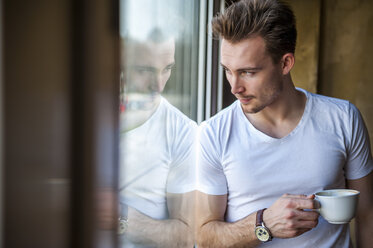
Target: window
163,95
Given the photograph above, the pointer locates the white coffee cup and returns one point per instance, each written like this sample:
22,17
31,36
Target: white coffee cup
338,206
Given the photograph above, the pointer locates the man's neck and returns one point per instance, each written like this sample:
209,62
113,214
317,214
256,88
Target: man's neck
283,115
132,119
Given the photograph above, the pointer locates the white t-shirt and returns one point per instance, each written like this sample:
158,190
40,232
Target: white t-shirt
156,158
329,145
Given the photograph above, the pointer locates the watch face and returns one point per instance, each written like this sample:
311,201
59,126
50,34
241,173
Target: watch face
262,234
123,225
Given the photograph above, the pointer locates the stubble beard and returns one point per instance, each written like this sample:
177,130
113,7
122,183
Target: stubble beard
269,99
251,109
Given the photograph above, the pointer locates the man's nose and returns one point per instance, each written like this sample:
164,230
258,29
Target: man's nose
236,85
157,82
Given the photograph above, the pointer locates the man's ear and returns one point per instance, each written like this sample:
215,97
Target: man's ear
287,63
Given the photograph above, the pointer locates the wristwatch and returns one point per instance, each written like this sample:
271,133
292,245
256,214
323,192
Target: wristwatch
123,225
123,219
261,231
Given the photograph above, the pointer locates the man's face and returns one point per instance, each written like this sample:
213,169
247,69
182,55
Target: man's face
146,69
149,66
255,80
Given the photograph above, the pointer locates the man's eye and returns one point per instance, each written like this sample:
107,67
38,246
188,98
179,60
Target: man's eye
226,71
247,73
141,70
168,69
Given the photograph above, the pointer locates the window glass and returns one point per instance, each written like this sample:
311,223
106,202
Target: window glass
174,18
159,57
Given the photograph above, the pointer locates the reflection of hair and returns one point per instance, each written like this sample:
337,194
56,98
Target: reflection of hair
156,35
273,20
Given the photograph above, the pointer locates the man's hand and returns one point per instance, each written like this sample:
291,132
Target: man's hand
287,217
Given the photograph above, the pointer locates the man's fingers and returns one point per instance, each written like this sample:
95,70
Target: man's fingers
299,203
307,215
305,203
306,224
302,201
295,196
311,196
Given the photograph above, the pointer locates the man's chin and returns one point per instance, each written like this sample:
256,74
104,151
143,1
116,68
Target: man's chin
248,109
142,102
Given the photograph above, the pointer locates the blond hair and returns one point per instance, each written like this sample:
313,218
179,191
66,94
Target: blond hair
273,20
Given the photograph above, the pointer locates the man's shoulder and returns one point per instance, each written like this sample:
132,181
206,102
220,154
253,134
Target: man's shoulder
223,115
328,104
328,100
173,114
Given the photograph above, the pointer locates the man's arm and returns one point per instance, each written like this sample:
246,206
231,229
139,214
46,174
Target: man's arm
173,232
364,217
285,219
212,231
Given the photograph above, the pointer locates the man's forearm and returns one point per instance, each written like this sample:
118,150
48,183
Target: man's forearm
158,233
364,217
364,226
223,234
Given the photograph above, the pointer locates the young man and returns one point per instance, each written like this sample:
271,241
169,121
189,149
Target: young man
262,158
156,150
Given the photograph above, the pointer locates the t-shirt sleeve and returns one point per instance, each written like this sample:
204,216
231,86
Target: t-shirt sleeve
359,157
182,173
210,174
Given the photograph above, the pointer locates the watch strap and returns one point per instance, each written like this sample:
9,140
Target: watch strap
259,217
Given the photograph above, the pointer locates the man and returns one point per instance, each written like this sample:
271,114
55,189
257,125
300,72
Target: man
262,158
156,150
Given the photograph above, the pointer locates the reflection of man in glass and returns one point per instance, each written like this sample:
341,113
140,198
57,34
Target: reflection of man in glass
157,151
147,68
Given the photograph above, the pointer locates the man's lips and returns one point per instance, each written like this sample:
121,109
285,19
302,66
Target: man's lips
245,100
